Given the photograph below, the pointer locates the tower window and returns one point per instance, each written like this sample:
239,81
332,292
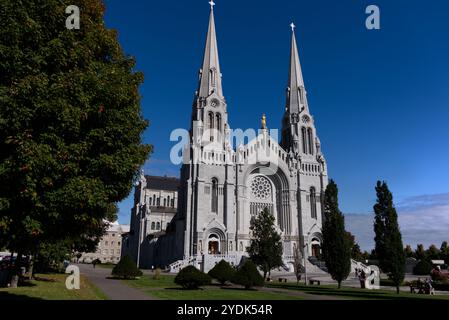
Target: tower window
214,202
310,140
218,121
211,126
313,203
158,226
153,225
212,77
304,140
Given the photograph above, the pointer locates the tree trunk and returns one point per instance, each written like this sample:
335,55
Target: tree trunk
16,271
339,284
397,289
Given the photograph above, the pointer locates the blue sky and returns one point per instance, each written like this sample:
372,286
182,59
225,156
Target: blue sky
380,98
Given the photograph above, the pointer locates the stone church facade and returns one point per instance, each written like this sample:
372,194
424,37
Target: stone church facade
221,188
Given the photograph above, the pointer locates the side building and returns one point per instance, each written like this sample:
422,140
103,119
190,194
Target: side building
109,249
155,205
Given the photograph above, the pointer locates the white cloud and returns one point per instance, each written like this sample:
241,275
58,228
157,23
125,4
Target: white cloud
422,219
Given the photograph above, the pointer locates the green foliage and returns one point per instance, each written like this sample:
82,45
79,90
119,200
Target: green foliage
422,268
408,251
336,241
51,256
266,246
433,253
420,252
96,261
356,253
126,269
222,272
388,239
70,124
191,278
248,276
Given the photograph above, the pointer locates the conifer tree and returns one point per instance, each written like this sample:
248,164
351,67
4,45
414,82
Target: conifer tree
336,242
388,239
266,245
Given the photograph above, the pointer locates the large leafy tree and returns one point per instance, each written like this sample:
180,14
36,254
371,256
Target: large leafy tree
388,239
336,241
70,123
265,249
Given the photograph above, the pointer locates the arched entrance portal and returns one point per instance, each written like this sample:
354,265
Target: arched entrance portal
213,244
316,248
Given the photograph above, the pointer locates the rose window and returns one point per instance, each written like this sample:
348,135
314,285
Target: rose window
261,188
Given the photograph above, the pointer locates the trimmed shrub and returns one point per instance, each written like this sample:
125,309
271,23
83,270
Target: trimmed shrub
191,278
126,269
248,276
222,272
422,268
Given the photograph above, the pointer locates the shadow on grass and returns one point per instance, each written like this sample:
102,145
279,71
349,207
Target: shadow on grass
7,296
345,292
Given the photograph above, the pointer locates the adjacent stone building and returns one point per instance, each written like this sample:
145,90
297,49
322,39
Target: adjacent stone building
109,249
222,187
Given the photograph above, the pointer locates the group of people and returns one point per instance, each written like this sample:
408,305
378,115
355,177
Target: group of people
423,287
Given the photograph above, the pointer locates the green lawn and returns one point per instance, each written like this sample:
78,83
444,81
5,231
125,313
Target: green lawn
52,287
355,293
166,289
106,265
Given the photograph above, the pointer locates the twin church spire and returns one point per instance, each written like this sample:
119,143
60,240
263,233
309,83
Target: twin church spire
210,91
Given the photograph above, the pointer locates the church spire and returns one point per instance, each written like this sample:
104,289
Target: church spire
296,93
210,75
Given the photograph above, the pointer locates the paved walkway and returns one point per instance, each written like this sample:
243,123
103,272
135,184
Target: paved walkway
113,289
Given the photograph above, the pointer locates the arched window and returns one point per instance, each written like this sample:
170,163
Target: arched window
153,225
168,201
154,199
165,202
211,126
304,140
214,203
151,201
158,201
158,226
172,202
310,140
218,121
313,203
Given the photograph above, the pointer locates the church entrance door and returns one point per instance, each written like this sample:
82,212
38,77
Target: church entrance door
213,247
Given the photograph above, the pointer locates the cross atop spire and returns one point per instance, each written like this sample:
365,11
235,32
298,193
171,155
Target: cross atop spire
292,25
212,4
296,95
210,77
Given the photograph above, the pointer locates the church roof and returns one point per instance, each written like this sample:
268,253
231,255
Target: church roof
162,183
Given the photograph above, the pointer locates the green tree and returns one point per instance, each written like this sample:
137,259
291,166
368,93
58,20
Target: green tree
420,252
248,276
191,278
126,268
408,251
336,242
70,124
433,253
222,271
444,252
356,253
388,239
265,249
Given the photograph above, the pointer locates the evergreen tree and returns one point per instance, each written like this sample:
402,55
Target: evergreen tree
408,251
248,276
222,271
388,239
126,268
266,245
336,242
356,253
444,252
420,252
70,124
433,253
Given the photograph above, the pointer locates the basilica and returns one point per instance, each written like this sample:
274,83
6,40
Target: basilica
204,215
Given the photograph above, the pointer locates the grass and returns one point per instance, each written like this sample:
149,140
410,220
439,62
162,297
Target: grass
166,289
355,293
106,265
52,287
